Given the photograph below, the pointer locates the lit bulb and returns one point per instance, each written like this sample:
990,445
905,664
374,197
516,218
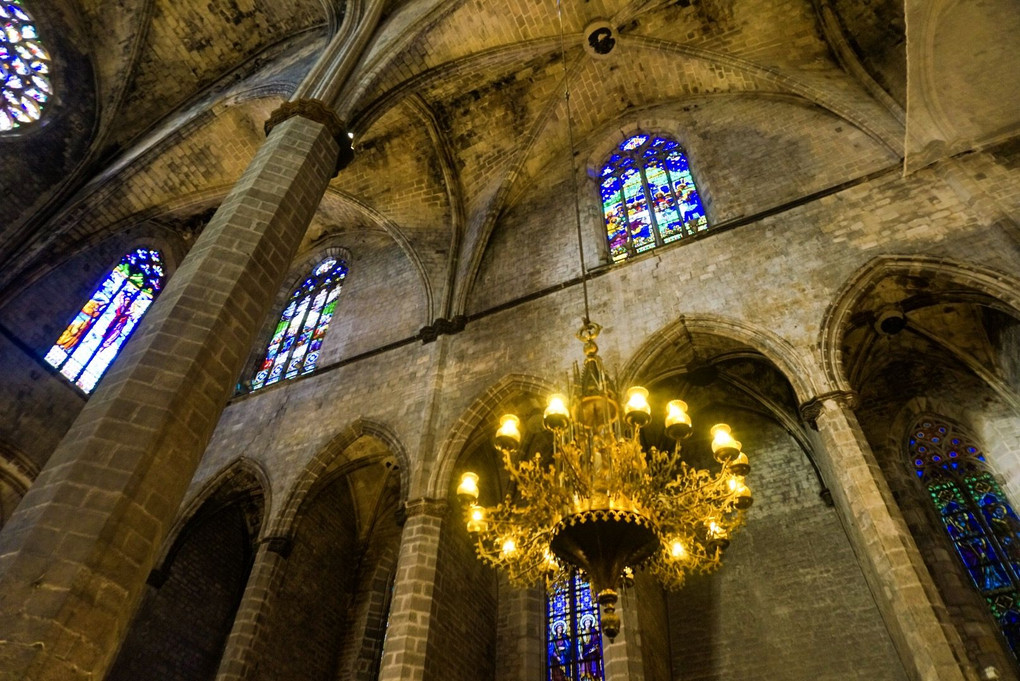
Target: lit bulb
467,490
508,437
556,415
637,408
678,422
724,447
509,546
677,549
476,519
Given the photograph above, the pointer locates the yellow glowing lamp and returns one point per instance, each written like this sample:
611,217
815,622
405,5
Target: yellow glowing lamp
718,538
739,465
742,498
467,490
637,409
476,519
509,546
724,447
678,421
508,436
556,416
677,550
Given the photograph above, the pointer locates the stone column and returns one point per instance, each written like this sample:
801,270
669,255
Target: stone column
522,624
622,657
407,631
891,563
75,555
247,640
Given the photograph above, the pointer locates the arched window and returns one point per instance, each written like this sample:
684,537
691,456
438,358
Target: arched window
977,516
24,68
648,196
93,338
294,347
574,633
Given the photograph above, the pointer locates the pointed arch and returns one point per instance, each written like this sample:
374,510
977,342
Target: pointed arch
482,409
958,280
774,348
241,477
334,455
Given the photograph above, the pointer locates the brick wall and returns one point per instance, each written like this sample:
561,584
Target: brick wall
179,632
462,642
314,600
790,601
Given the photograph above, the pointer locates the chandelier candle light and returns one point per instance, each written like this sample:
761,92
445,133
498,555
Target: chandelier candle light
602,503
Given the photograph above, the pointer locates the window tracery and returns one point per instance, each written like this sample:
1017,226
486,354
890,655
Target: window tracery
977,516
24,68
649,198
297,338
574,632
95,336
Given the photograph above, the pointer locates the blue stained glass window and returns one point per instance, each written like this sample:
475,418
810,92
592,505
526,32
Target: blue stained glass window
648,196
25,85
294,347
977,516
94,337
574,633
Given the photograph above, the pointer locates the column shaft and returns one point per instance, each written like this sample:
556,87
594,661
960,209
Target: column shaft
246,643
411,609
889,558
75,555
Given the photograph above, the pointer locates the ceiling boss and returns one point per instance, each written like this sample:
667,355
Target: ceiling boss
602,503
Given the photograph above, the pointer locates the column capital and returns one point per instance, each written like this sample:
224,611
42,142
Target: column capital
812,409
318,111
433,508
282,546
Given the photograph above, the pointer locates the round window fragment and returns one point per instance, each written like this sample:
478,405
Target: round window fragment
24,68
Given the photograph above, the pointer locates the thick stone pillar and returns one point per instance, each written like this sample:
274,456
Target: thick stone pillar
891,563
75,555
411,610
622,657
522,626
247,640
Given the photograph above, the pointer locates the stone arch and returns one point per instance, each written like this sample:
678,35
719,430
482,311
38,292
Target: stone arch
311,478
196,587
481,409
965,607
241,477
773,347
973,282
16,475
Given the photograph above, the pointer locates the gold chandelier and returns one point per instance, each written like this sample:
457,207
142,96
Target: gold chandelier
600,502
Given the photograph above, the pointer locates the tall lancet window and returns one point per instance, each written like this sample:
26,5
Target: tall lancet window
297,339
648,196
979,520
94,337
24,68
574,633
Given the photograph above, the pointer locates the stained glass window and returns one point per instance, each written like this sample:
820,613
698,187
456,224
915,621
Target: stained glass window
976,514
648,196
297,339
94,337
574,633
24,68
